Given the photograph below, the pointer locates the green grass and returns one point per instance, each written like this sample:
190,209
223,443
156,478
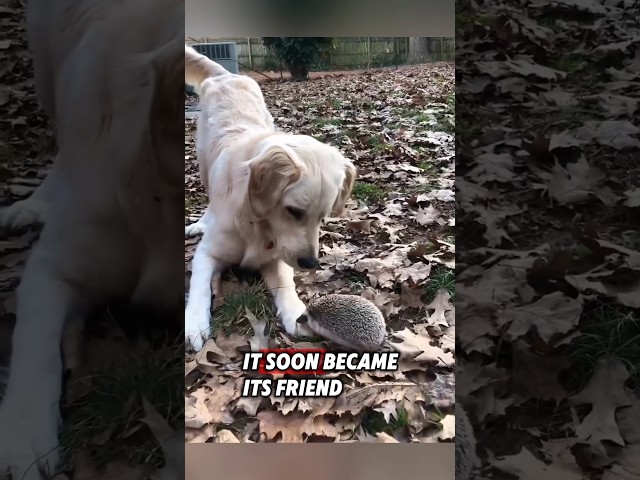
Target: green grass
367,192
551,22
426,166
105,420
606,331
374,422
367,106
466,20
441,278
230,314
5,153
359,278
451,100
329,121
437,118
422,117
467,131
631,239
423,188
567,62
379,146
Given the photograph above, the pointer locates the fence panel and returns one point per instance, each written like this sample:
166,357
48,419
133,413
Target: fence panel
347,53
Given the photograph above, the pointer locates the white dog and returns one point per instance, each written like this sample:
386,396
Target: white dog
109,74
268,194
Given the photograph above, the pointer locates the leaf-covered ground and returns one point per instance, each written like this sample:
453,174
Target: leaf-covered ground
394,245
549,264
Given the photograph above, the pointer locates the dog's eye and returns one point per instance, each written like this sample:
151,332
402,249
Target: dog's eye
295,213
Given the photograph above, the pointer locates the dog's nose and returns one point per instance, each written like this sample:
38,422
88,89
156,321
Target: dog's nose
307,262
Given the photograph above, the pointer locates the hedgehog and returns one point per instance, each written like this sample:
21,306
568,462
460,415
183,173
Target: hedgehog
466,457
348,320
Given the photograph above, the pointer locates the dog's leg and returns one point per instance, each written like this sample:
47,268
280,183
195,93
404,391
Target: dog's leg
205,271
29,413
32,210
279,279
200,226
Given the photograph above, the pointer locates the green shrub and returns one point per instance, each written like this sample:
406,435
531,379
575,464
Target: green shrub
298,53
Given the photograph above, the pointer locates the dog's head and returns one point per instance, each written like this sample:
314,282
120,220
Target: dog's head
296,181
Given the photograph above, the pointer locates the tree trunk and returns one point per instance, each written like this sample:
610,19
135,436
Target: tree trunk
299,72
419,50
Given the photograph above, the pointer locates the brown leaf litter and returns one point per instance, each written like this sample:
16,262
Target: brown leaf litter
385,248
548,246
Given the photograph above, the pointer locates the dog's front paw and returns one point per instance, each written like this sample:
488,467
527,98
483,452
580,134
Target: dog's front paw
29,441
197,329
289,319
22,214
194,229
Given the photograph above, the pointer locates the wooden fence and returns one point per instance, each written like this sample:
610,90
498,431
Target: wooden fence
347,52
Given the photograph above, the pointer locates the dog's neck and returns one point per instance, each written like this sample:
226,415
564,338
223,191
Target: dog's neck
264,227
258,228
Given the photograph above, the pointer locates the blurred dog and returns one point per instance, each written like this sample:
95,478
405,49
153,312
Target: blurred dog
109,74
268,194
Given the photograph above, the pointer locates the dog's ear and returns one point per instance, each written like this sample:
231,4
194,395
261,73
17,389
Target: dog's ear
345,189
270,173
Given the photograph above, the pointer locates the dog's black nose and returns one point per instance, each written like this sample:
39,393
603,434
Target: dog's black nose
307,262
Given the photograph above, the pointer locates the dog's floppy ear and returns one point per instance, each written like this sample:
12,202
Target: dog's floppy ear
345,189
270,173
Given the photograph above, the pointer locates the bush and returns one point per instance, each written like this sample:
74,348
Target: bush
298,53
271,64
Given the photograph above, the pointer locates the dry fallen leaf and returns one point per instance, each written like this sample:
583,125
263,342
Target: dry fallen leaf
526,466
419,349
606,392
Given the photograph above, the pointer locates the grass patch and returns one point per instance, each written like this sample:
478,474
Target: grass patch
329,121
350,133
378,145
451,100
105,420
569,62
422,117
5,153
552,22
631,239
229,315
606,331
467,131
374,422
423,188
427,166
367,192
359,278
441,278
436,117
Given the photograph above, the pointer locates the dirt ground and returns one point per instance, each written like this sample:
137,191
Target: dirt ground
262,76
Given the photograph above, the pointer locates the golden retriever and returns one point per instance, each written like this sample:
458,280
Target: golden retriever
268,194
109,75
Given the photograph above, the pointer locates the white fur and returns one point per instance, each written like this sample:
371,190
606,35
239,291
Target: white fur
113,204
252,173
33,209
